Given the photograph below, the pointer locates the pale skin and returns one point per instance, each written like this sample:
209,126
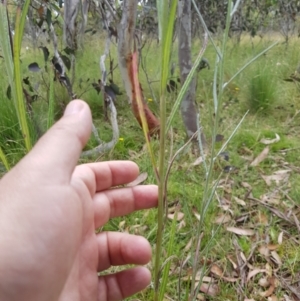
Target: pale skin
49,210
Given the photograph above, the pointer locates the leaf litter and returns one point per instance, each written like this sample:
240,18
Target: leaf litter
260,271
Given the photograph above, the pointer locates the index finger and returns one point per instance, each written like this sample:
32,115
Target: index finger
107,174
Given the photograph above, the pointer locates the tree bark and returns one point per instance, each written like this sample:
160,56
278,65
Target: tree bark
126,31
189,110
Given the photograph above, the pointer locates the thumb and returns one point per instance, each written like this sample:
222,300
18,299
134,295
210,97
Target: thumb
57,152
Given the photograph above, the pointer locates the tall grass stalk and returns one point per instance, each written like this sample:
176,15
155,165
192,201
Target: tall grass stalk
51,103
4,159
20,104
210,186
218,89
166,19
13,66
6,47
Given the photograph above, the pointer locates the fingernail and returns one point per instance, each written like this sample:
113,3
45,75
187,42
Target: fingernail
73,107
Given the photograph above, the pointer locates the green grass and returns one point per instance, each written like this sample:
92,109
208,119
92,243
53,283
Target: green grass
187,181
263,94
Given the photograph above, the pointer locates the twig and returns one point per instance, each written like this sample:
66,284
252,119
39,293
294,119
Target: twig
207,31
143,65
96,135
180,273
111,11
296,221
275,211
241,265
237,3
288,286
63,75
193,289
172,161
105,147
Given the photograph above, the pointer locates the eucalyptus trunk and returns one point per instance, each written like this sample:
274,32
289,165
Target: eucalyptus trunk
188,108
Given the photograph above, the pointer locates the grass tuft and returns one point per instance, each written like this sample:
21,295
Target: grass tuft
262,96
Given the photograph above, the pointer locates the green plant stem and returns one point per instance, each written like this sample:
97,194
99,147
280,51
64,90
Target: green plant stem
20,105
5,43
208,190
185,86
4,160
51,102
166,22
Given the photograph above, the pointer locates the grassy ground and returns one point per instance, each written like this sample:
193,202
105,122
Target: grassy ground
251,234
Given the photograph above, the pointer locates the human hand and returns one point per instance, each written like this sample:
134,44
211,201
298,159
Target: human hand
49,210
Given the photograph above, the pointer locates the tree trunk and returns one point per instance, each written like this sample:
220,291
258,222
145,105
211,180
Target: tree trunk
126,31
189,110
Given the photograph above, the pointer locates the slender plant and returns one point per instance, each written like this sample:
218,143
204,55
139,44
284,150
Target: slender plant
166,17
4,159
51,103
11,54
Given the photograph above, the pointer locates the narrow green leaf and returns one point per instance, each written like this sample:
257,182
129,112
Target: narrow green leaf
184,89
170,251
167,46
6,46
50,119
4,159
20,104
22,22
166,17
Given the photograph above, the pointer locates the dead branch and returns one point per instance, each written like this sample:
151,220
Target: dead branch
105,147
108,104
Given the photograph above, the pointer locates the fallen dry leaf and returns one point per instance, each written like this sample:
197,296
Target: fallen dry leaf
272,200
246,185
240,231
277,177
280,238
188,245
234,264
215,269
272,247
254,273
199,277
264,251
222,219
198,161
272,298
262,156
271,289
269,270
239,201
277,258
209,289
181,225
197,215
180,216
140,179
267,141
260,218
264,282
